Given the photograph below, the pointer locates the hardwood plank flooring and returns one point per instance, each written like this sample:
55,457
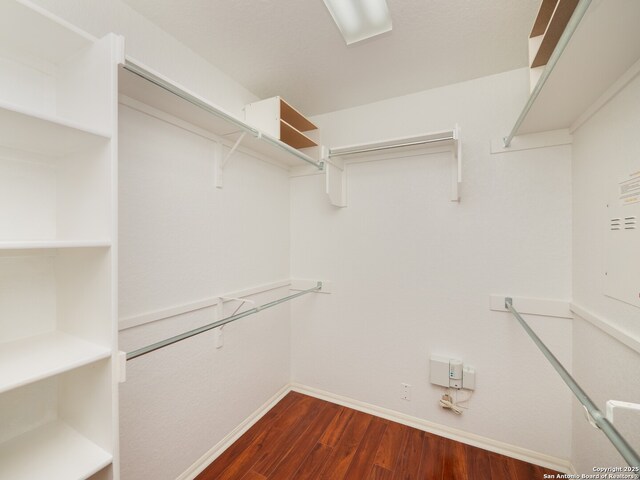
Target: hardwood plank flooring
304,438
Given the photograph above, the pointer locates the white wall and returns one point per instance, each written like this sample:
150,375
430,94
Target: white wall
183,240
412,272
149,44
606,148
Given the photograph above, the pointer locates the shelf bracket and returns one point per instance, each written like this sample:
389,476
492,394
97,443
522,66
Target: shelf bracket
220,162
336,179
456,174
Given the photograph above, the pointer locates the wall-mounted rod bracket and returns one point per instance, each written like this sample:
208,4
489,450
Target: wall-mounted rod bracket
220,162
617,404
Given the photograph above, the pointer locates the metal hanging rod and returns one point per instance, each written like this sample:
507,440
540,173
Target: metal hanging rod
216,324
618,441
341,152
171,88
571,27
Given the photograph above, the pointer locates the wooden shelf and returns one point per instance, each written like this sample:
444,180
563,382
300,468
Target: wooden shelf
53,244
276,118
547,7
294,118
53,451
556,25
293,137
35,358
30,131
604,47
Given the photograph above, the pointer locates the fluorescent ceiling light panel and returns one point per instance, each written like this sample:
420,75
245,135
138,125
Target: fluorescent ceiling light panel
360,19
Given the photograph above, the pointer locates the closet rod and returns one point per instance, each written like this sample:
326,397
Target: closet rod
169,87
219,323
355,151
618,441
150,77
571,27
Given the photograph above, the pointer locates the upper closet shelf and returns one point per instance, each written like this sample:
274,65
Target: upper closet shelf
144,85
594,57
336,182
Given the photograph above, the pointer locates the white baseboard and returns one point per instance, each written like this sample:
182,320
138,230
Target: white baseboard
554,463
461,436
203,462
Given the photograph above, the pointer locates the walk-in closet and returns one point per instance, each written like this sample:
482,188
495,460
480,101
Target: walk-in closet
330,239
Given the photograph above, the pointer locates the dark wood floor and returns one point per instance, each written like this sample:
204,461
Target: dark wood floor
306,438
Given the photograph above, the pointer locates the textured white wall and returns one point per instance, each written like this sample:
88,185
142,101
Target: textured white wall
182,240
412,271
606,148
151,45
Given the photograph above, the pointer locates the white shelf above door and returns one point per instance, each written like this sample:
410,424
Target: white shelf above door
53,451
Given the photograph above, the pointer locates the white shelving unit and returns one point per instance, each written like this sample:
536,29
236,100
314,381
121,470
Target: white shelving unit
600,58
58,248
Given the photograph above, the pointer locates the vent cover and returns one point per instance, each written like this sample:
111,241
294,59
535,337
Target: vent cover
630,223
626,223
614,224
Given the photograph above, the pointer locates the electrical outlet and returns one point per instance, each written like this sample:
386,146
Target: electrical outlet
405,391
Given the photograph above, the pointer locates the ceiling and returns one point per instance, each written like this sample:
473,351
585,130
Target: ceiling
292,48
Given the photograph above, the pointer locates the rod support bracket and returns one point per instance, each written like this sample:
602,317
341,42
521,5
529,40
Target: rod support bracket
508,302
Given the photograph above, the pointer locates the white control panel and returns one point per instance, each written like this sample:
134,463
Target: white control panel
451,373
622,237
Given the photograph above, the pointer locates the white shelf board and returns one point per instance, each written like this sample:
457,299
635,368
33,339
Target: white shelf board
30,131
142,90
47,244
31,29
416,142
34,358
54,451
604,46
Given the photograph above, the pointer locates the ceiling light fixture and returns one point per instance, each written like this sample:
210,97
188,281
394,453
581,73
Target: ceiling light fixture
360,19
